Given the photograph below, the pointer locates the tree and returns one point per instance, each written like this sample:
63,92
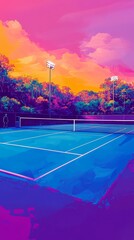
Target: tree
86,96
123,97
26,109
41,105
81,108
5,68
94,106
9,104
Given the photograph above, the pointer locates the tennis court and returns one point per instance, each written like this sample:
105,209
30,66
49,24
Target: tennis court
82,163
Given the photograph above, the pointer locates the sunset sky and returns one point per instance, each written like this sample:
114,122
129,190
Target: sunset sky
87,40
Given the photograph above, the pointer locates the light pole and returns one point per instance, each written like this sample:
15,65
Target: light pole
113,79
124,99
51,66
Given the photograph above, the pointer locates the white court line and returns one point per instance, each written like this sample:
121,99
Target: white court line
23,139
95,140
75,159
42,149
16,174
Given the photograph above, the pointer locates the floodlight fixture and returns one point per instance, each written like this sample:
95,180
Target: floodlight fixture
50,65
114,78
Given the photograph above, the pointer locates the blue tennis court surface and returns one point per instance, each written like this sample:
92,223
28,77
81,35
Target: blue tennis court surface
80,164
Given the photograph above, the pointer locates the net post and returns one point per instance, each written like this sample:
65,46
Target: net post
74,127
19,122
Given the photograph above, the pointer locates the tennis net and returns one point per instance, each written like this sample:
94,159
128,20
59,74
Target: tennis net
78,125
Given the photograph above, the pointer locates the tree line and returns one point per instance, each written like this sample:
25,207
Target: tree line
28,95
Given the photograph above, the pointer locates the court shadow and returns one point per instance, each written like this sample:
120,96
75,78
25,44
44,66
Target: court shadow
128,137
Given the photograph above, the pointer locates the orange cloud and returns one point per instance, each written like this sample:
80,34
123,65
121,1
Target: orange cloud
71,70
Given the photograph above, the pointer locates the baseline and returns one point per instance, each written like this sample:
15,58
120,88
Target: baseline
16,174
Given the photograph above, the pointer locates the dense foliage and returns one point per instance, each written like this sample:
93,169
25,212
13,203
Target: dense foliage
27,95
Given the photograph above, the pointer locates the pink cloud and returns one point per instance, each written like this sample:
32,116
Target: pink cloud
105,49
